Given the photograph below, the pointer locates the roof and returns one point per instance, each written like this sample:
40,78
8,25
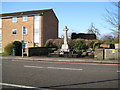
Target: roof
34,12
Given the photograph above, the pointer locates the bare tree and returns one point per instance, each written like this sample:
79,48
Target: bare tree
93,30
113,18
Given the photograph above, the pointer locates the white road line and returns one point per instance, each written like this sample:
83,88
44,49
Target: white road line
53,68
118,71
14,85
34,66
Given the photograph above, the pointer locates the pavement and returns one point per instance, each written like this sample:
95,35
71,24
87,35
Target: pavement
61,59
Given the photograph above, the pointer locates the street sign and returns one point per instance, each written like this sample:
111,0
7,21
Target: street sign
113,50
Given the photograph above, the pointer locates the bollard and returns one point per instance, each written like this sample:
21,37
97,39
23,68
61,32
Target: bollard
13,52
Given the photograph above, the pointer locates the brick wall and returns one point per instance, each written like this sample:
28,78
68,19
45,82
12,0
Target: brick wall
8,25
50,26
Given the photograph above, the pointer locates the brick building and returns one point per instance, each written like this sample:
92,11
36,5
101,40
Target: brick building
35,27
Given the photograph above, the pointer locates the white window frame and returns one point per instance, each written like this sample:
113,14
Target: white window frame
25,18
14,19
13,31
25,31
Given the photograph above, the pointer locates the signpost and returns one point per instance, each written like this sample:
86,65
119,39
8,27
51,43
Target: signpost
22,42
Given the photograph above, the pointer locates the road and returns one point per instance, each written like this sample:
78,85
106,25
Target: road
46,75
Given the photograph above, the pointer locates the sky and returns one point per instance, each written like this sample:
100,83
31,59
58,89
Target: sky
77,16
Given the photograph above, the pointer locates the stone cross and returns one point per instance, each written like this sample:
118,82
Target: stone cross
65,47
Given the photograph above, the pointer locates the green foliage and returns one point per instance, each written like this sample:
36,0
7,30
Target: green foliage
79,46
8,49
16,45
110,39
96,44
49,44
115,40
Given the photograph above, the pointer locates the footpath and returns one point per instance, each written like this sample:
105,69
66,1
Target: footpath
61,59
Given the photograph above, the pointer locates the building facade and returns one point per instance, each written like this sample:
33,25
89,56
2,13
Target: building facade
34,27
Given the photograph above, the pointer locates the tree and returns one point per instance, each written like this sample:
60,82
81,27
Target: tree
93,30
109,39
16,46
113,19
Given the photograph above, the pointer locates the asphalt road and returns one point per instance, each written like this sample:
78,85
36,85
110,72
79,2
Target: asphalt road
47,75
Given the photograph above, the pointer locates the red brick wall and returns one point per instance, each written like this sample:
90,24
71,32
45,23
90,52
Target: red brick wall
8,25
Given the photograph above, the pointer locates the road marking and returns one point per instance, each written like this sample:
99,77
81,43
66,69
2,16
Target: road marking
14,85
53,68
118,71
64,68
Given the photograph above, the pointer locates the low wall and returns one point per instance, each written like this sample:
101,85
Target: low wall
40,51
111,54
99,54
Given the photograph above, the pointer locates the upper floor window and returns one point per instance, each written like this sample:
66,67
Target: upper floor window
24,30
24,18
14,31
14,19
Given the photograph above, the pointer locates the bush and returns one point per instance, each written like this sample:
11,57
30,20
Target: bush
49,44
16,45
79,46
18,48
96,44
8,49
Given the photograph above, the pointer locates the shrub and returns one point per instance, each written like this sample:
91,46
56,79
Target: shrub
18,48
49,44
96,44
79,46
16,45
8,49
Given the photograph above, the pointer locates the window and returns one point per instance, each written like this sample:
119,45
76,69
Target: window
24,30
24,18
14,32
14,19
25,45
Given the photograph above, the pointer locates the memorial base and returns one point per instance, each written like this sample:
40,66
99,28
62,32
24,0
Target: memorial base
65,48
